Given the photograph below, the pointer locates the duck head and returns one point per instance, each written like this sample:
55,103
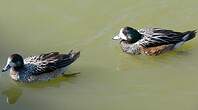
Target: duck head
14,61
128,34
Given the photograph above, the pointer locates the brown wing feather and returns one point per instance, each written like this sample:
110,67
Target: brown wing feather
156,50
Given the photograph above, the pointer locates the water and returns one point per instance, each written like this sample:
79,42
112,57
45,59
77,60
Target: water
109,79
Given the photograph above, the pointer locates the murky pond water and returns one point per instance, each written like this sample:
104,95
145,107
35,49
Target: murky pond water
109,79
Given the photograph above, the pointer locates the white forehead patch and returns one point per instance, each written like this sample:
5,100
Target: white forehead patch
121,35
9,62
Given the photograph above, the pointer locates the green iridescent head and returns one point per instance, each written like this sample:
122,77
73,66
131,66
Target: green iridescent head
128,34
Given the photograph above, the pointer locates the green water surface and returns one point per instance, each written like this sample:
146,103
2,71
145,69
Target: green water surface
109,79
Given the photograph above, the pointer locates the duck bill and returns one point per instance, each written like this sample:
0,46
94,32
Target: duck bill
6,68
116,38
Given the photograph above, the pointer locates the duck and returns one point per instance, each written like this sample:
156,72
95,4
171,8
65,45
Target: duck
151,41
41,67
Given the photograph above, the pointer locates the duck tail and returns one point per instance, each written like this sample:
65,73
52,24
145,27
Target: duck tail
188,35
74,55
63,60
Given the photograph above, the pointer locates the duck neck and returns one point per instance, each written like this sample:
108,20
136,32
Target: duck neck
130,48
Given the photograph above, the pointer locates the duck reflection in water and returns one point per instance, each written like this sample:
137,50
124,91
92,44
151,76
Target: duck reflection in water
15,91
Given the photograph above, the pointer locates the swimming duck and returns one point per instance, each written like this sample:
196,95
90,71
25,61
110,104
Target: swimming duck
151,41
39,68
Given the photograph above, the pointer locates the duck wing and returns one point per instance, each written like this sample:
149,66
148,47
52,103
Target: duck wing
49,62
157,37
